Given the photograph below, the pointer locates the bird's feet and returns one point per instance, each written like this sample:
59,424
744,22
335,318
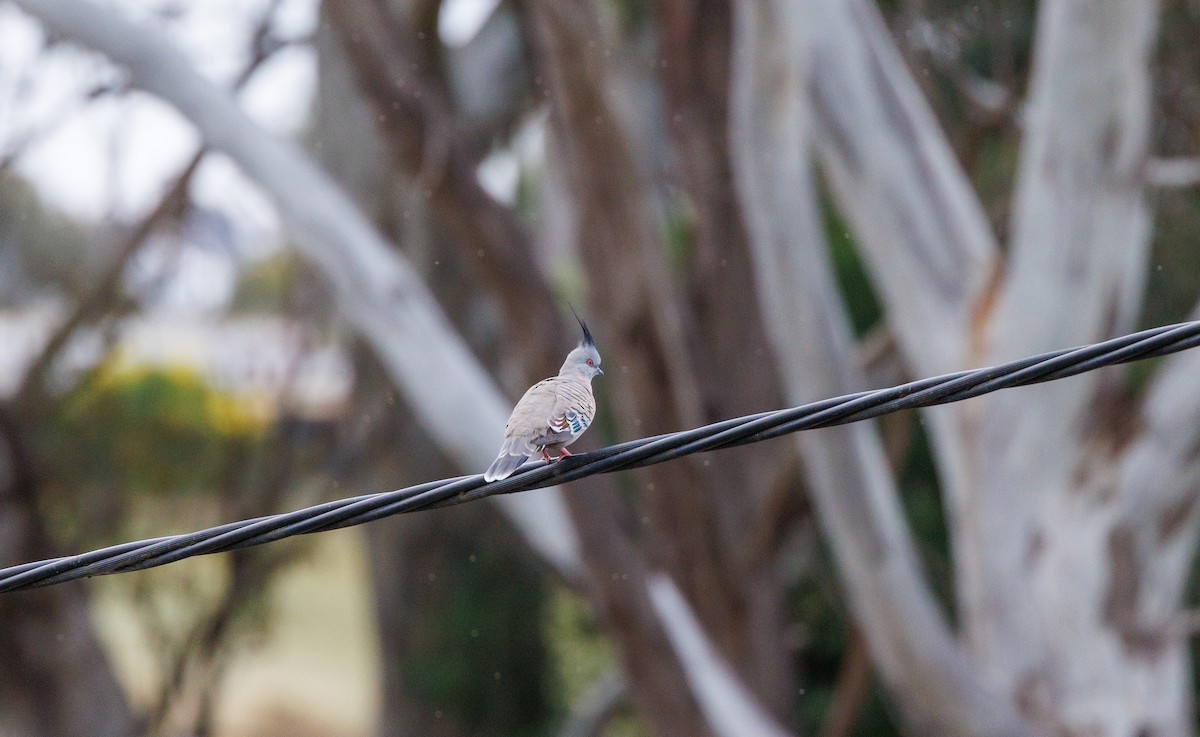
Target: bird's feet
563,453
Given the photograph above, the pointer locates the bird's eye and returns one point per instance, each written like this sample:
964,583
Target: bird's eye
590,362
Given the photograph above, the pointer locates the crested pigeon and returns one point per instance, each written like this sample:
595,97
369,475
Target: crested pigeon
553,413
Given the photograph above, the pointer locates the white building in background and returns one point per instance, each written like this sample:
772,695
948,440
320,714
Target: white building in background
276,364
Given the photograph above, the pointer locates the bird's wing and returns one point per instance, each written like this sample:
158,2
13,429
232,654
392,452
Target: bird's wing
572,412
530,419
555,410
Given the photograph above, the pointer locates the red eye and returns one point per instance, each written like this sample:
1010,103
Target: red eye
590,362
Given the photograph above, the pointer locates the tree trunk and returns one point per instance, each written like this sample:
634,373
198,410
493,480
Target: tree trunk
57,681
849,478
727,336
661,348
1057,545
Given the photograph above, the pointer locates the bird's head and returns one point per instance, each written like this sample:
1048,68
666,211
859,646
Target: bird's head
585,359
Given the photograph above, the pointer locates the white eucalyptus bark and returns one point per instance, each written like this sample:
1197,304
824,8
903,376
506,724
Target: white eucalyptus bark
1158,488
916,219
1058,535
917,222
1150,550
849,480
1173,172
1081,225
376,289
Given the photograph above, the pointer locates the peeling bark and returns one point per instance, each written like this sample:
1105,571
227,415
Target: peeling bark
1066,627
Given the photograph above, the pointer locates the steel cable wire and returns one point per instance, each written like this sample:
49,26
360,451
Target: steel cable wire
754,428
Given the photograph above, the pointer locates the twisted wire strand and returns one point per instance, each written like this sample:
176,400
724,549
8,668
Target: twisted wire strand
139,555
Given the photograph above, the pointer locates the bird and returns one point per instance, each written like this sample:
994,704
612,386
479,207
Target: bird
553,413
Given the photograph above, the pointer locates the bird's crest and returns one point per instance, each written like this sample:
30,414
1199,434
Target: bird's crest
587,334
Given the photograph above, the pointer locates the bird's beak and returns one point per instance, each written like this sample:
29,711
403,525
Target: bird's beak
599,371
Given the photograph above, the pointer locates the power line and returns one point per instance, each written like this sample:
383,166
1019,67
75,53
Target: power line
134,556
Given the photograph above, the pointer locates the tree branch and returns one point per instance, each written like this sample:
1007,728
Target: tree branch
917,221
104,289
1173,172
66,687
1158,474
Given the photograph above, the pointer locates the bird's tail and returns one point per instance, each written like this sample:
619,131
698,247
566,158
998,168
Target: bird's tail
512,455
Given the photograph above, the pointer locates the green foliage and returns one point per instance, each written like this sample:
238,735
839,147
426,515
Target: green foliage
478,656
993,173
859,298
815,604
530,180
132,431
679,232
1173,278
921,497
569,283
581,654
997,37
576,642
631,16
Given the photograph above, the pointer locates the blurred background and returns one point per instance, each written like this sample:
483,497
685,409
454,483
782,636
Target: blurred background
753,204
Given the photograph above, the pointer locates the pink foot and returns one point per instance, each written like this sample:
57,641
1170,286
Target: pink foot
562,453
